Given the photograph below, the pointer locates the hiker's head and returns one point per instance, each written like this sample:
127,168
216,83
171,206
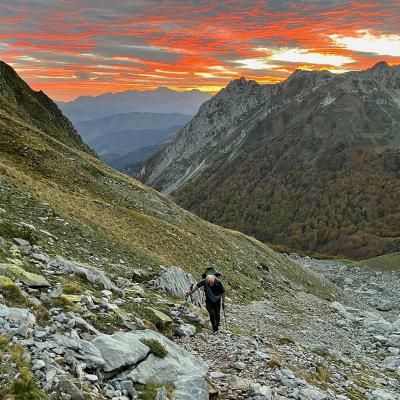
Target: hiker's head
210,280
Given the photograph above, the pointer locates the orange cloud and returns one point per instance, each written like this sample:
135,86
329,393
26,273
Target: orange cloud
68,49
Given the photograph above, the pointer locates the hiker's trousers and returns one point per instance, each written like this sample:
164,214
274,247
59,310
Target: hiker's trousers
214,309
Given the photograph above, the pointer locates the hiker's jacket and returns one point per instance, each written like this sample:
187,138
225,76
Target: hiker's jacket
213,293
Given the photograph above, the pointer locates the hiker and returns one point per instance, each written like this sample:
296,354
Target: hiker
215,291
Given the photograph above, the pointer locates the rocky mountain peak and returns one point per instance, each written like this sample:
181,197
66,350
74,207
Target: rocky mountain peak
36,108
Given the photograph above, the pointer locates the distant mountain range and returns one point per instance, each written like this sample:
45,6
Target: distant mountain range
120,137
161,100
310,164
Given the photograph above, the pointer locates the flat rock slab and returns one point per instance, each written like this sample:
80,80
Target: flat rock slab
19,315
92,274
178,363
120,350
14,272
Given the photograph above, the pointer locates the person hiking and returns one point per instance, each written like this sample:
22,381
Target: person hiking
215,292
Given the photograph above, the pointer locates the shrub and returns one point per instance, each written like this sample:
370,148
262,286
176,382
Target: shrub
24,387
155,347
284,340
42,314
72,288
3,342
273,363
13,296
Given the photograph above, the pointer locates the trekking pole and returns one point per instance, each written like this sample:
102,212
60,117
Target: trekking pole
226,323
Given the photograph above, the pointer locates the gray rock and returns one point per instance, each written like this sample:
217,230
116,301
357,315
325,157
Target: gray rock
21,242
391,363
240,366
381,394
191,388
393,340
56,292
120,350
161,394
67,386
178,362
38,364
176,282
91,377
40,257
17,315
90,354
185,330
259,390
92,274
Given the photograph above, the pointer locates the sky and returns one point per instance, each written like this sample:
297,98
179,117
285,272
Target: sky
69,48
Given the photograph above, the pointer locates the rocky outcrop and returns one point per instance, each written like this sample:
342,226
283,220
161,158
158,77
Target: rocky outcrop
17,273
92,274
120,350
176,282
177,364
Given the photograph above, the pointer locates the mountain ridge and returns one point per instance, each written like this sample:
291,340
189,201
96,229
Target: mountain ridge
314,123
161,100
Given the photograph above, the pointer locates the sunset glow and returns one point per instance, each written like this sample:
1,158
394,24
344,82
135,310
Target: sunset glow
72,48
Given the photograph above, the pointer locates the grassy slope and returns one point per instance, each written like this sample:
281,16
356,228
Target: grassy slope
389,261
113,216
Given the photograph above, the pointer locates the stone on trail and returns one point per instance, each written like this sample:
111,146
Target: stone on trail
393,340
14,272
92,274
66,386
178,362
185,330
391,363
176,282
120,350
191,388
381,394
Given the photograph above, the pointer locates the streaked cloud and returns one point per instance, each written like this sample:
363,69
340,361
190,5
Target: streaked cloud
70,48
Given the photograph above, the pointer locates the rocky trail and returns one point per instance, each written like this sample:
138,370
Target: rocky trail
335,351
80,334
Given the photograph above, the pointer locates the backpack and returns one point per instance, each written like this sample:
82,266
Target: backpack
210,271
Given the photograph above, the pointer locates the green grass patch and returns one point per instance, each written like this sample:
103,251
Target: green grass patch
42,315
24,386
156,347
387,261
13,296
10,231
73,288
3,342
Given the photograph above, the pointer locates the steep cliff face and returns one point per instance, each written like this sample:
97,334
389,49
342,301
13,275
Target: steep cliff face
199,143
317,133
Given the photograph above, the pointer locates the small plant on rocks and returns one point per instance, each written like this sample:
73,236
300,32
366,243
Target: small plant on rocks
155,347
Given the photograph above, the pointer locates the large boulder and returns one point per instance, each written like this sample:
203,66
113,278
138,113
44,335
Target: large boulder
120,350
15,272
177,364
17,315
92,274
176,282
